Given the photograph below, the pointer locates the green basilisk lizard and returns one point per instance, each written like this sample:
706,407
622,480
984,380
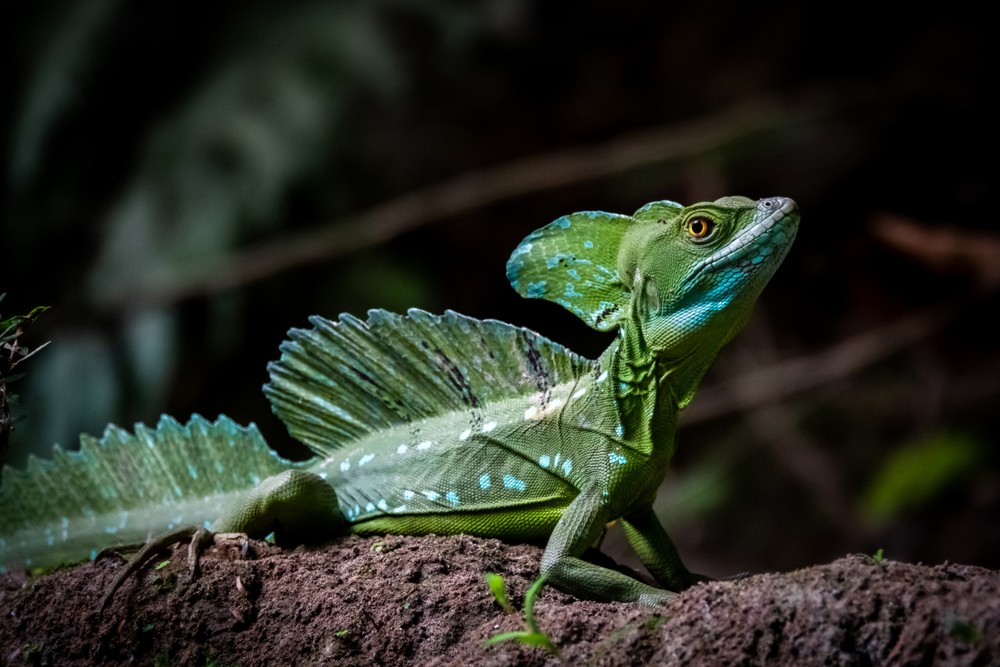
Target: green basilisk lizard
447,424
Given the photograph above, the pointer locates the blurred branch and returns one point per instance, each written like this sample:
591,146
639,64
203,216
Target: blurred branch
944,249
477,189
779,380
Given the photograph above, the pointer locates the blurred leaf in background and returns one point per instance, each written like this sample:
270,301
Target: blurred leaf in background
915,473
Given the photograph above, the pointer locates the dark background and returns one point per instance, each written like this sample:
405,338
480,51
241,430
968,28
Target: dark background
183,182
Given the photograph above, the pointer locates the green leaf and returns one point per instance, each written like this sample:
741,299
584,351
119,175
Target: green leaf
525,637
495,582
915,474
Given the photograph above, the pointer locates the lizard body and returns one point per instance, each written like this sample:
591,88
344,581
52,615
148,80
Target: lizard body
445,424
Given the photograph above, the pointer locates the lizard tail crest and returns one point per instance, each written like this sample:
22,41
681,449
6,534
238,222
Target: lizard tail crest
127,486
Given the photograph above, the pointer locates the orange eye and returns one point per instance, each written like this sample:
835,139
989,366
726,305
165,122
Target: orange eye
700,228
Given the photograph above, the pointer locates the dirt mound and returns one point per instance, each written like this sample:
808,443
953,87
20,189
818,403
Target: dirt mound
424,601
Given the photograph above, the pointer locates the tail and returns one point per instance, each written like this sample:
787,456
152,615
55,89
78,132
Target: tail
127,486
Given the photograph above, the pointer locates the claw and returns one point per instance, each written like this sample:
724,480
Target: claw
198,537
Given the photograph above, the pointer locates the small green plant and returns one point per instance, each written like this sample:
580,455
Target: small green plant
495,582
963,631
12,354
533,635
879,557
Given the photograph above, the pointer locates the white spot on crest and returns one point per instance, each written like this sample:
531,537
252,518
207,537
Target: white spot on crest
567,467
401,449
602,377
451,497
365,459
397,510
580,392
544,461
345,466
382,505
431,495
464,435
425,445
489,426
407,495
531,412
323,475
370,507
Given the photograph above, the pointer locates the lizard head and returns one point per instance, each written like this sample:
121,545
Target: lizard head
695,272
677,282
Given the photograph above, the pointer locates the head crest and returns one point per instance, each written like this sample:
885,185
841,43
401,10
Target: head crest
574,261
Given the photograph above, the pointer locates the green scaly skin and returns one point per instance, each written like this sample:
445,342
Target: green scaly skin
447,425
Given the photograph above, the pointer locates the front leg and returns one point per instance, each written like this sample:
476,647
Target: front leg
656,550
563,568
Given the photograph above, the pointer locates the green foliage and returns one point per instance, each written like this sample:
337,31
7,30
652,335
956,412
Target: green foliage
533,635
12,354
964,631
495,582
918,473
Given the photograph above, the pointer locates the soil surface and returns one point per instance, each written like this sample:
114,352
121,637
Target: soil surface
424,601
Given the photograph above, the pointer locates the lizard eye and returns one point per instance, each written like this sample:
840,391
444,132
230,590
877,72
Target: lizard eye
700,228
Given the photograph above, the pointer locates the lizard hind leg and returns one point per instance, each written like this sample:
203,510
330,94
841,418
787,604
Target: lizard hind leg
298,507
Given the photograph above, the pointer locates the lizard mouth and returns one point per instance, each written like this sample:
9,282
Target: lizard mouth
764,243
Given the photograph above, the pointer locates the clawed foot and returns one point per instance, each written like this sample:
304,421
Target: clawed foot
198,539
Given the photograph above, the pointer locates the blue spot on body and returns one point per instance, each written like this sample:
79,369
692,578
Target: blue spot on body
192,471
567,467
451,497
662,202
619,430
588,244
571,291
614,457
513,483
563,222
536,289
522,249
484,481
370,507
544,461
574,274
